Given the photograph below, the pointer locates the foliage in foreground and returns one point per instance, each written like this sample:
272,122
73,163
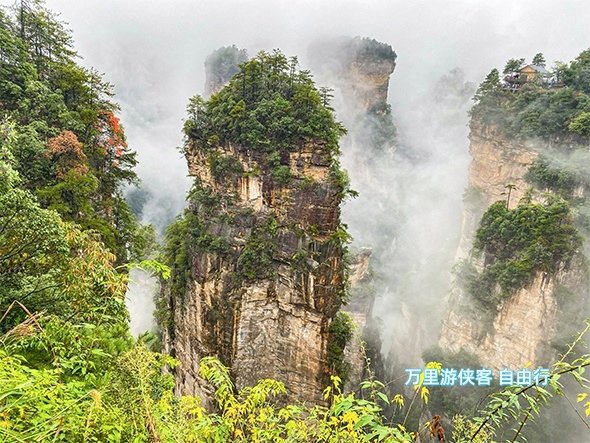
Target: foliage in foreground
101,390
133,402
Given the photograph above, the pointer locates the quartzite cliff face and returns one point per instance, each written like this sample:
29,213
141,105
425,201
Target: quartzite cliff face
527,325
276,326
220,66
265,275
359,69
495,163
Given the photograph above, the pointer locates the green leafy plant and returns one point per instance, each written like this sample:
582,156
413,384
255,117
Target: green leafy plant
341,332
523,403
256,259
544,176
517,243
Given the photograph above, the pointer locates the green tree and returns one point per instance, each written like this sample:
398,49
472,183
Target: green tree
539,59
267,106
490,86
489,98
513,65
67,143
581,124
539,109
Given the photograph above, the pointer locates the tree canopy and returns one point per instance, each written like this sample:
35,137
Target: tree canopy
268,105
517,243
552,107
60,126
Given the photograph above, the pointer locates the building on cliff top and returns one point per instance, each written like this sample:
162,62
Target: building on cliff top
530,72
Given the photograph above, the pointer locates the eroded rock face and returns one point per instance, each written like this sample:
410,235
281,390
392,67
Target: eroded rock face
524,327
276,324
359,70
359,308
220,66
369,80
496,162
266,275
519,332
361,67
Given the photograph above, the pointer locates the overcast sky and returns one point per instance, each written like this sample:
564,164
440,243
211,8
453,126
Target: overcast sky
153,50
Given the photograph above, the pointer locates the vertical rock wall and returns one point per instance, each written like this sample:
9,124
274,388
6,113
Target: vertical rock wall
524,327
266,274
359,70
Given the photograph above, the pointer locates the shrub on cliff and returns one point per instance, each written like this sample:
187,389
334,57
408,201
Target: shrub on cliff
341,331
545,176
517,243
268,106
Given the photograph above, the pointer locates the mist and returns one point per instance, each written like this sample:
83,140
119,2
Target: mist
153,52
413,195
140,296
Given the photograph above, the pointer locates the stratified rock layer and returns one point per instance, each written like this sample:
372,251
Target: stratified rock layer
270,321
522,329
220,66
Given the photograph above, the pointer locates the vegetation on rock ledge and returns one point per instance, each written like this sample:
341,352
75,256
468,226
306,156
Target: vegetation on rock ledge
545,176
269,107
341,332
517,243
555,106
